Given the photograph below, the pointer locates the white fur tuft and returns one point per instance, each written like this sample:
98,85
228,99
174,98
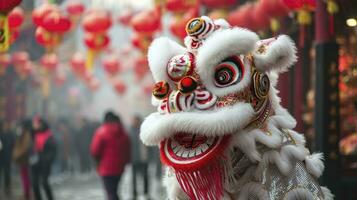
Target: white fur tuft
227,120
327,193
160,52
314,164
280,55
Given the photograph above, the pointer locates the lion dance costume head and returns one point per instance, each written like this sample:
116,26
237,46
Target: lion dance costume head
219,125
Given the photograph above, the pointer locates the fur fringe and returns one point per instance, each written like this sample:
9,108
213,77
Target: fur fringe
314,164
327,193
298,194
253,190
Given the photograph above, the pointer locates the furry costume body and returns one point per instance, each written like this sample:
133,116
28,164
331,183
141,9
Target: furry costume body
221,130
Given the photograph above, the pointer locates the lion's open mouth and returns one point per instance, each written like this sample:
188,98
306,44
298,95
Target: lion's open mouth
191,149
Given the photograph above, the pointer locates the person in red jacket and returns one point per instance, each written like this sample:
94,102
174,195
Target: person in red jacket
110,147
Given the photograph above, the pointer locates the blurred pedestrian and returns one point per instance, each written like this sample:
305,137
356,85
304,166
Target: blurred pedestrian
139,157
111,149
43,158
7,139
21,154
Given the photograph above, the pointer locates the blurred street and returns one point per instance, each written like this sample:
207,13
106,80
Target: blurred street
89,187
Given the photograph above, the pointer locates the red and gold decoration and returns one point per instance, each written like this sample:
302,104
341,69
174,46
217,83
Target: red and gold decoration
96,23
119,87
49,62
6,7
78,64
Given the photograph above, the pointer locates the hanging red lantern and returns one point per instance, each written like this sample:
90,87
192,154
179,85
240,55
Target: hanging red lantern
5,60
303,8
56,22
119,87
45,38
141,67
178,23
147,21
111,65
219,4
180,5
49,62
96,42
60,79
97,21
39,13
242,16
141,41
260,17
75,8
5,7
275,8
78,64
125,17
16,18
24,70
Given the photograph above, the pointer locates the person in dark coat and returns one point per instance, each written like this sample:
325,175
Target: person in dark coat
21,154
110,147
139,157
43,158
7,140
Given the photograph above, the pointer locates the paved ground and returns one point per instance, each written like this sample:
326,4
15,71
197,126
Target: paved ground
88,187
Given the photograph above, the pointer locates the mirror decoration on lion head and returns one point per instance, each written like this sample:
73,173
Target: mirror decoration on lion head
220,128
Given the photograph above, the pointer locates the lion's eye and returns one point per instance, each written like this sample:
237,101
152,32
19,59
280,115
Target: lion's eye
229,72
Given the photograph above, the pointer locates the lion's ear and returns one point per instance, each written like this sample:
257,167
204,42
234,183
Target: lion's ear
160,52
275,54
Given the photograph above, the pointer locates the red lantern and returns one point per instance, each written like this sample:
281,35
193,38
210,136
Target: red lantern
141,41
147,21
39,13
49,62
275,8
24,69
56,22
260,18
16,18
219,3
242,16
78,64
141,67
7,5
298,4
75,8
178,24
46,38
180,5
111,65
119,87
125,17
97,21
96,42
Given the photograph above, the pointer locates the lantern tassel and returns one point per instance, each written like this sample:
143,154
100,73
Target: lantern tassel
4,33
90,59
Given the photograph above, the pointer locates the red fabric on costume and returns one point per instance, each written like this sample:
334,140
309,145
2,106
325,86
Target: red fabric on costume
111,147
41,139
